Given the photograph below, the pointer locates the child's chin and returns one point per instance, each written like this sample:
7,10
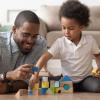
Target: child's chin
68,37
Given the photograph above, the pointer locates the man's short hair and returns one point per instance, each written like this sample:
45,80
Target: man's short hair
26,16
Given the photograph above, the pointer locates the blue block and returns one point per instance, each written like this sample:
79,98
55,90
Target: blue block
35,69
66,87
30,92
67,78
44,91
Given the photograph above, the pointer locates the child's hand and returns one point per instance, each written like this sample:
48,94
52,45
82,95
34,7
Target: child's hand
34,79
96,72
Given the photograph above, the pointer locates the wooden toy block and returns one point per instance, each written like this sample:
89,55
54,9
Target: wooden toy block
53,90
36,92
36,86
52,84
43,91
66,87
45,84
49,92
57,84
58,90
22,92
30,92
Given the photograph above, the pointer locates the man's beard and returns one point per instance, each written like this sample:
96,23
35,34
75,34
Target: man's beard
24,51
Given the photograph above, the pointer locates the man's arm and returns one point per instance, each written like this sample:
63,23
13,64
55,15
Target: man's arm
21,73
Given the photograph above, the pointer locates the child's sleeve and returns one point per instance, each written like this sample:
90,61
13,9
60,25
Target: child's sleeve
55,49
95,47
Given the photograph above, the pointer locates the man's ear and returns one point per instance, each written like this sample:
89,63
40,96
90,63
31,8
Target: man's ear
14,29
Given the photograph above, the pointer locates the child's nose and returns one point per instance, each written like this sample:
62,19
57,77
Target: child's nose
67,31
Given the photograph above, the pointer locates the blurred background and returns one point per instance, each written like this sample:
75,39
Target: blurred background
10,8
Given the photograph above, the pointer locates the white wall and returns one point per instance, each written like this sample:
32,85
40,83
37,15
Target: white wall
14,6
91,2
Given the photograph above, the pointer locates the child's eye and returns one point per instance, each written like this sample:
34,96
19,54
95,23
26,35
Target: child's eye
71,28
63,27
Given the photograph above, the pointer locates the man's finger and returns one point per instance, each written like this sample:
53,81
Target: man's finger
25,70
27,65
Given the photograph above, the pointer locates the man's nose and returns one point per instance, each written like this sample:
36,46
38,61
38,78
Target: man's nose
30,40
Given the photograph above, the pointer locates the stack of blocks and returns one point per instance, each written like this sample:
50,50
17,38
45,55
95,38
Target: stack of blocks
64,85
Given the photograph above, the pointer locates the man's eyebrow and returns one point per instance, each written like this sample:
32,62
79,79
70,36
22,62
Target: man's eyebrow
25,33
29,33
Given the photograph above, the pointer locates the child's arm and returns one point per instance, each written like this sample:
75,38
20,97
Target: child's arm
40,64
43,59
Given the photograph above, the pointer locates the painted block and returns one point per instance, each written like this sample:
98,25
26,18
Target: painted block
45,84
36,92
58,90
36,86
52,84
49,92
66,87
57,84
43,91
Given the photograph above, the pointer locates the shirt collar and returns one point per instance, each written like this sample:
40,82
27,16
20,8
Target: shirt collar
82,40
68,41
13,44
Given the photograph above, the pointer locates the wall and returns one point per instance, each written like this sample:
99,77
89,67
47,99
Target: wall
10,8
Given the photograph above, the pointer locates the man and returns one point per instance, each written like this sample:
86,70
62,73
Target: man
19,50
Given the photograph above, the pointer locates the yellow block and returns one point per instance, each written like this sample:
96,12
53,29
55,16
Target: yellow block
45,84
36,86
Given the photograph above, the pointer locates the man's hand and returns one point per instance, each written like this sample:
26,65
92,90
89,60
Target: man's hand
21,73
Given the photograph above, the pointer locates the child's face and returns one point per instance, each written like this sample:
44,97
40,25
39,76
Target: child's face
71,29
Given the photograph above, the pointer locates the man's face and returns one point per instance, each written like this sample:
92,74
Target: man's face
25,36
71,29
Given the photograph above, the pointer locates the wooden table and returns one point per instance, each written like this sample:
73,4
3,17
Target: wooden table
72,96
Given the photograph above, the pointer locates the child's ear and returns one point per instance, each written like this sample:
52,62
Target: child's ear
82,27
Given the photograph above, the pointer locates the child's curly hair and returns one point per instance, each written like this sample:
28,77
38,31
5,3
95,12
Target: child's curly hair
75,10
